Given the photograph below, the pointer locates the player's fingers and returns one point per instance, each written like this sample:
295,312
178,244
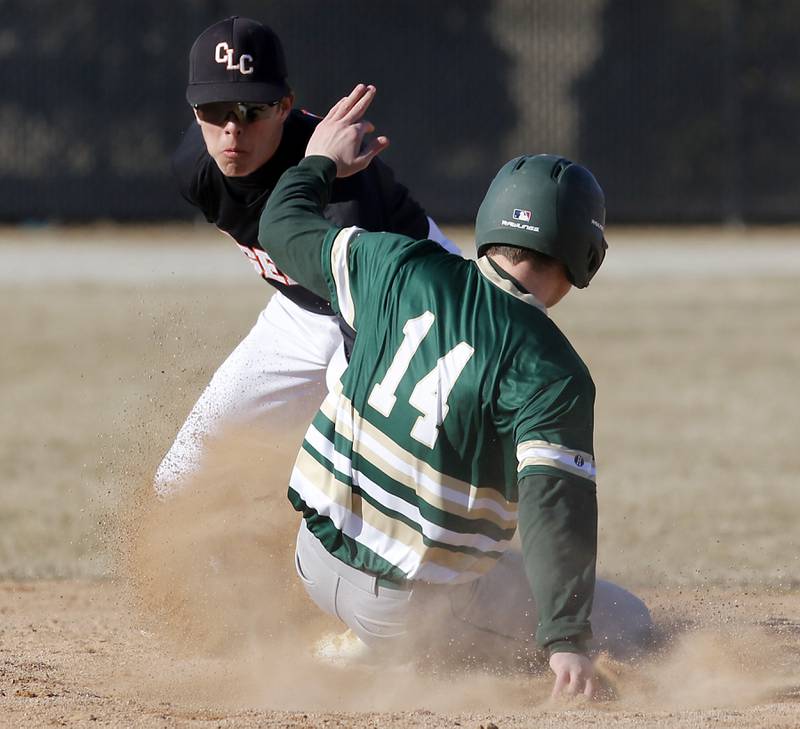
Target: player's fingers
345,104
590,688
360,130
562,679
360,104
574,683
378,144
338,109
372,149
358,91
333,112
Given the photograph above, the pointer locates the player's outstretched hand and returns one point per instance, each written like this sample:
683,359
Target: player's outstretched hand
340,136
574,675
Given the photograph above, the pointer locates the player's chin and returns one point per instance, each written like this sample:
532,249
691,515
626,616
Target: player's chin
237,166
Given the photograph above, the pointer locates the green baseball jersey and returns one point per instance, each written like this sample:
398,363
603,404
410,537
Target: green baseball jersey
463,406
458,385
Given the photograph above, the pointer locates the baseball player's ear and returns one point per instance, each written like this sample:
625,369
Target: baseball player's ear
287,102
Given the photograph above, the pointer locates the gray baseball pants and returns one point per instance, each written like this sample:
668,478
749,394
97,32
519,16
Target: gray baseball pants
492,616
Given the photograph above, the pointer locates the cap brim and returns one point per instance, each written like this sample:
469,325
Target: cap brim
254,93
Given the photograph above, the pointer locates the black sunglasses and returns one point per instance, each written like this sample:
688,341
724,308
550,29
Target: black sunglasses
217,112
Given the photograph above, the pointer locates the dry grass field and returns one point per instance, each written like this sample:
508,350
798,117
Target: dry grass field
112,615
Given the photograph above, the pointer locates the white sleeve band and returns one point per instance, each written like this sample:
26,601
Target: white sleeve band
340,270
542,453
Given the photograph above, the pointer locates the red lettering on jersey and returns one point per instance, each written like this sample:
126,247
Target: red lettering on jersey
263,264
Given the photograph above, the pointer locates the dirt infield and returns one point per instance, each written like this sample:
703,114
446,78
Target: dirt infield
72,656
114,612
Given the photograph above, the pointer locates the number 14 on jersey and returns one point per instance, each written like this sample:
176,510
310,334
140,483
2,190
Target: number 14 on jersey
431,393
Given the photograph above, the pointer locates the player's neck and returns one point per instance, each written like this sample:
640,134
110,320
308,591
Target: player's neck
548,285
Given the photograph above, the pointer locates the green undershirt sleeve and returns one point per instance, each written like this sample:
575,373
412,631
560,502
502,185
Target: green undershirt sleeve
558,527
292,228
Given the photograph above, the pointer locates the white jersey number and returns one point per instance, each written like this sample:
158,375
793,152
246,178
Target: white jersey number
430,394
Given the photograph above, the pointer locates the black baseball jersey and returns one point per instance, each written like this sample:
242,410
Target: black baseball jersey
372,200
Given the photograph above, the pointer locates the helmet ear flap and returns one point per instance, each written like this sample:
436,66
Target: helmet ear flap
596,256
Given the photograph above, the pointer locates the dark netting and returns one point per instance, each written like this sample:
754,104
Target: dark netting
685,110
690,110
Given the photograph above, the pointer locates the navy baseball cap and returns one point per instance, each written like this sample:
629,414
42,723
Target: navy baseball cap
237,59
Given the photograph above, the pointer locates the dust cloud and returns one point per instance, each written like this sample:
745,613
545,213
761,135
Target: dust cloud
209,577
702,668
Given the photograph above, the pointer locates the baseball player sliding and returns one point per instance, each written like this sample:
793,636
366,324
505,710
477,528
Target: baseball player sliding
464,413
246,134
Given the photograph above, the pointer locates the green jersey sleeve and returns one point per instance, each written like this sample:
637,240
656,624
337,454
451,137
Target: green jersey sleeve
558,503
292,226
554,430
347,266
361,268
558,532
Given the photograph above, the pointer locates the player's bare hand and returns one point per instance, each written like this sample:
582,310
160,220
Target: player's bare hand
341,135
574,675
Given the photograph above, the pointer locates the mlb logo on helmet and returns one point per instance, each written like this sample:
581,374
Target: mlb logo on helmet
523,215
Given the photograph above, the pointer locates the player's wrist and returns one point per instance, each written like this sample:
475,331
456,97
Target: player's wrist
321,163
318,159
567,645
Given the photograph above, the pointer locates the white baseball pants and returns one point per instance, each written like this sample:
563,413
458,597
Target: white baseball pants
276,374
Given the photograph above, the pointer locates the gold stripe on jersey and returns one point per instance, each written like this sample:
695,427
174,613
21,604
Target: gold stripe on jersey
441,491
542,453
390,538
504,284
330,497
340,269
409,510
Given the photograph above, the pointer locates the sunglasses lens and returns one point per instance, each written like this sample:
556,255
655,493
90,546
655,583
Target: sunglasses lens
214,113
217,113
253,112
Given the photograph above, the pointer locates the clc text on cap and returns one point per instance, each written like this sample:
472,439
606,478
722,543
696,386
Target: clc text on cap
237,59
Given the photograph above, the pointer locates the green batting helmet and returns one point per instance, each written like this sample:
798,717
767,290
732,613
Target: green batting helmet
550,205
